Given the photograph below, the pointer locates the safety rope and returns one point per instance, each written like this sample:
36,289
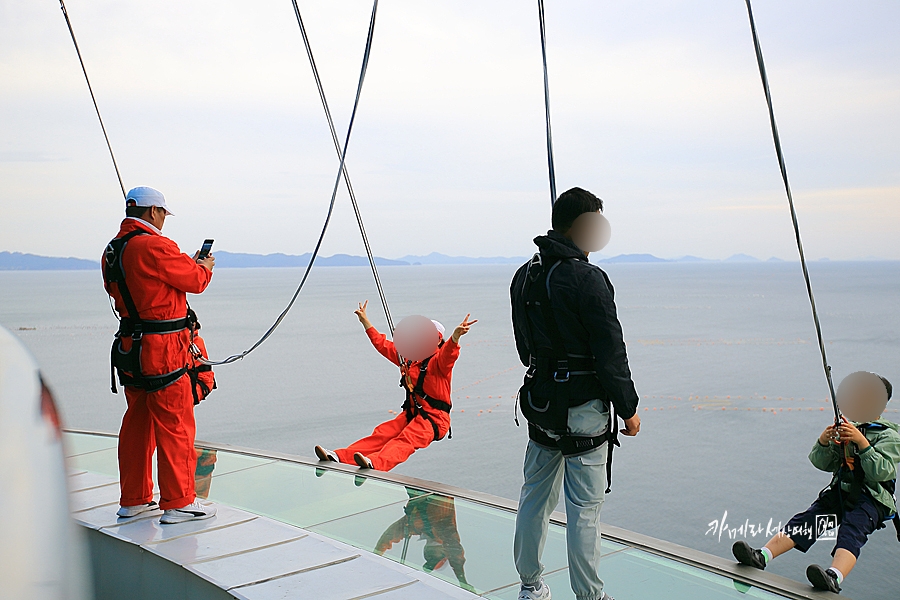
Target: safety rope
547,104
787,187
334,191
337,148
62,7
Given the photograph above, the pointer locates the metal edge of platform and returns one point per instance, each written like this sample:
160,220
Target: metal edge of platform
682,554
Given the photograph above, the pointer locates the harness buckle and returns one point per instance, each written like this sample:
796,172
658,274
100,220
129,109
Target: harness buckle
561,366
532,368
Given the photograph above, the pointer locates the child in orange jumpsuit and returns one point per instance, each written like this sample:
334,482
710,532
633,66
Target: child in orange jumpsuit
426,414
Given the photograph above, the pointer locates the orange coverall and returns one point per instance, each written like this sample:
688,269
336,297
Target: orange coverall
158,276
394,441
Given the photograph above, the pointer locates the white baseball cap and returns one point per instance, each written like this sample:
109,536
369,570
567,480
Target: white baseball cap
146,196
439,327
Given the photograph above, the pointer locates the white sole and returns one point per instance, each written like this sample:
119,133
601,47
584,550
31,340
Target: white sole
174,519
135,511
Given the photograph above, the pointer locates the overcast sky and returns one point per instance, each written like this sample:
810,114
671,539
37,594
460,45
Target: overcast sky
657,108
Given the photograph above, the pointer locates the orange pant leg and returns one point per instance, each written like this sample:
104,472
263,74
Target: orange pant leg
417,434
136,446
172,411
383,434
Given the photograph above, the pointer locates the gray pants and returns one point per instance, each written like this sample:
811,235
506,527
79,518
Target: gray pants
585,483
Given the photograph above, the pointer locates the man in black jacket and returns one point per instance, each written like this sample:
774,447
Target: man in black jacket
568,335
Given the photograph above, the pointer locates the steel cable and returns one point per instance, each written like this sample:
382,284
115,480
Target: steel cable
787,188
337,147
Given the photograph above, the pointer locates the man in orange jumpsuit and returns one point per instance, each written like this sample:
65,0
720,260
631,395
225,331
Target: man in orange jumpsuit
426,415
146,273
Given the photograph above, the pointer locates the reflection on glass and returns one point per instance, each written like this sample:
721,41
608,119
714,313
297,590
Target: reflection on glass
206,463
432,518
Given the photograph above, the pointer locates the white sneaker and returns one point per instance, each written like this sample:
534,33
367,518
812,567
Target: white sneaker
126,512
529,593
192,512
324,454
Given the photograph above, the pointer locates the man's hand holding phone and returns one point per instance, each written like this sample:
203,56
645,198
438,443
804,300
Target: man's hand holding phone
203,257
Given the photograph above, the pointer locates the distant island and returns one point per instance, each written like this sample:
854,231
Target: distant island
18,261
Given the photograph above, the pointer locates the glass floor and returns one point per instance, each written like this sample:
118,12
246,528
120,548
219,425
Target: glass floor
461,541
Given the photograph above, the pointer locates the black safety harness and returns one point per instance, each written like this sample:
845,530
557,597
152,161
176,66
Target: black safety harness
128,364
856,478
545,396
412,406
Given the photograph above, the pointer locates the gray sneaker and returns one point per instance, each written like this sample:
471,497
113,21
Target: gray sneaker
192,512
748,556
528,592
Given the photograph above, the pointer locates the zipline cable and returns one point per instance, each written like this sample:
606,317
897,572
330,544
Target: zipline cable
337,147
337,183
547,104
62,7
787,187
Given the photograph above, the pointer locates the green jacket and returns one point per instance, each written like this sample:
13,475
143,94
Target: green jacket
878,461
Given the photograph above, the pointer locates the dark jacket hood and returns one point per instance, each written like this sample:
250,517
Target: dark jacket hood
556,245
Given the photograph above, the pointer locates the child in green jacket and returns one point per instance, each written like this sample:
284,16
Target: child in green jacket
861,493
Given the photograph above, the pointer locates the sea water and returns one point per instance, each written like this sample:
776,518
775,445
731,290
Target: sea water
724,358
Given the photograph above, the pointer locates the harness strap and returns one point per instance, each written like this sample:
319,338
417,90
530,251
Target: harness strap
135,327
129,326
575,445
152,383
412,407
541,286
546,367
205,390
115,271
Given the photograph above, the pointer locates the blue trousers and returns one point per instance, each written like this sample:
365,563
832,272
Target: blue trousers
584,477
856,523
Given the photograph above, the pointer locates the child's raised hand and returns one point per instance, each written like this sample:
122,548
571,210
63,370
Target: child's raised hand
463,328
829,435
849,433
361,314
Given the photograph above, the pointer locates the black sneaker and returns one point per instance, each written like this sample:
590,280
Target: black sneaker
822,579
363,461
748,556
324,454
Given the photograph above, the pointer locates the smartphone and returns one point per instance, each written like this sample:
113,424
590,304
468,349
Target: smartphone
204,251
